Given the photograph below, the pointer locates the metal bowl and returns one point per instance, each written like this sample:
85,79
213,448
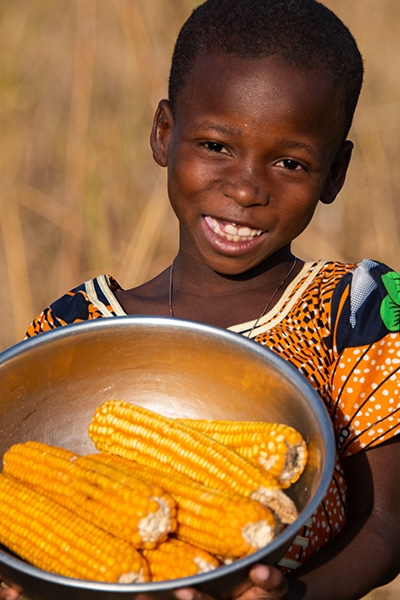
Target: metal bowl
51,385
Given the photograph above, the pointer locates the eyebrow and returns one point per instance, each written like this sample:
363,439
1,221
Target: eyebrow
287,144
294,145
212,127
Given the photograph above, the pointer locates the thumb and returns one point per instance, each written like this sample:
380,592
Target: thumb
8,594
269,579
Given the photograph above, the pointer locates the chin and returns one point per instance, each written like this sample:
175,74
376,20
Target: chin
233,270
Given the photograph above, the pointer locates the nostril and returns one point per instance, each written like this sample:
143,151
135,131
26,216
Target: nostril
246,183
246,193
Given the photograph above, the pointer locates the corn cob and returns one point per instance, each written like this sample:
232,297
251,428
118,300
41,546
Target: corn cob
222,523
279,448
54,539
148,438
173,559
124,506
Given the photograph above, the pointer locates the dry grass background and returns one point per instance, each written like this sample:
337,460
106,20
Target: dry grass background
79,192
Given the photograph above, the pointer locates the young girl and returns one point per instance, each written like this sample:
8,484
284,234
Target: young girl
254,135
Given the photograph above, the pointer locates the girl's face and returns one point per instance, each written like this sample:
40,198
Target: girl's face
252,149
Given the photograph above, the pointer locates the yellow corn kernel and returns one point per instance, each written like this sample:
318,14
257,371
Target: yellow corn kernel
222,523
55,539
148,438
279,448
174,559
124,506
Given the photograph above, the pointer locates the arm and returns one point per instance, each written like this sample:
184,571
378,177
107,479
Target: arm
365,555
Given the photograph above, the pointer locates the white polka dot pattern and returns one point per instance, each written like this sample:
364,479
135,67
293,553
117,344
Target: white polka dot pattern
359,382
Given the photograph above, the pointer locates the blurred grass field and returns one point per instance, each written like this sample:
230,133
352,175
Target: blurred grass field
79,192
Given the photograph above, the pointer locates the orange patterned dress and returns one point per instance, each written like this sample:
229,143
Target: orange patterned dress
339,324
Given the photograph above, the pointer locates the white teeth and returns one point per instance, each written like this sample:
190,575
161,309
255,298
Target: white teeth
244,231
233,232
230,229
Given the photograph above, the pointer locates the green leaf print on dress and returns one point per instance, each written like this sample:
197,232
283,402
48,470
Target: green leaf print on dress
390,307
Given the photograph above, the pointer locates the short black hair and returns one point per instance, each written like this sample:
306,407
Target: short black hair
304,32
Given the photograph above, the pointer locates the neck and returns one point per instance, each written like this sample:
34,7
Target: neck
194,277
222,300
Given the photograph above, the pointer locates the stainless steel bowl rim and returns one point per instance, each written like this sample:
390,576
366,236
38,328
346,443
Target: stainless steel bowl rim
249,346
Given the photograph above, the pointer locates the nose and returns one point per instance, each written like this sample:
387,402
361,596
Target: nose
246,184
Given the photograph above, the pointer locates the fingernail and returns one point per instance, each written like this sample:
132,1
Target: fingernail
184,594
263,572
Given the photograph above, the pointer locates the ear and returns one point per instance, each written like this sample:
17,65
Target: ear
160,137
337,173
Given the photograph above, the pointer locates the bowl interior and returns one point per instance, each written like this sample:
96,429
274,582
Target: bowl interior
52,384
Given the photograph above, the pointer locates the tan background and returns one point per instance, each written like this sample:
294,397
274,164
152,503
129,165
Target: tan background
79,193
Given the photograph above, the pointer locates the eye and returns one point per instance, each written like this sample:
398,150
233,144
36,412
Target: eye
215,147
290,164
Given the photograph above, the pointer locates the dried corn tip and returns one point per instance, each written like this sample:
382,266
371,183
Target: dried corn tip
124,506
174,559
148,438
223,523
279,448
55,539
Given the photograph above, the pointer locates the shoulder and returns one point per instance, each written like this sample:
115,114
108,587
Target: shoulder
357,303
366,303
362,271
357,285
90,300
319,279
365,374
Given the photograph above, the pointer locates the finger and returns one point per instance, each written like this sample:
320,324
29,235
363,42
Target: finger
8,593
263,583
269,579
191,594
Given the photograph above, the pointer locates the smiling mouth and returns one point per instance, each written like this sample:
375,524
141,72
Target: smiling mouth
231,231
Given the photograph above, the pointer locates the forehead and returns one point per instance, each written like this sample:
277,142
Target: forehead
257,89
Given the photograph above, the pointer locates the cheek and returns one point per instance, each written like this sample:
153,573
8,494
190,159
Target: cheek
180,171
177,184
296,216
181,191
305,217
187,180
